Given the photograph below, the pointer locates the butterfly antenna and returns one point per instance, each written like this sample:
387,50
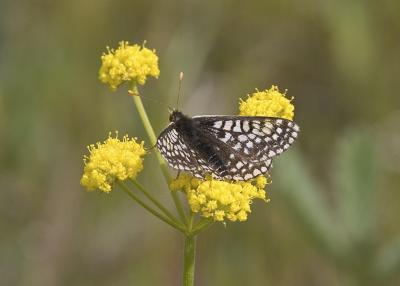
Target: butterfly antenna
179,89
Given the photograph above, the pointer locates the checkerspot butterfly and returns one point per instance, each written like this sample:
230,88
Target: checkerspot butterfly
227,147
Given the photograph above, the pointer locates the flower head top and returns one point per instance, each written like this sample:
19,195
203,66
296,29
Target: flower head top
128,63
220,200
271,103
112,160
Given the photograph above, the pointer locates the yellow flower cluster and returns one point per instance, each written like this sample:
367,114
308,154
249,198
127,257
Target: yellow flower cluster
270,102
128,63
220,200
112,160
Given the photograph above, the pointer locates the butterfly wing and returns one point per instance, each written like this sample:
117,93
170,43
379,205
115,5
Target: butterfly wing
251,141
178,153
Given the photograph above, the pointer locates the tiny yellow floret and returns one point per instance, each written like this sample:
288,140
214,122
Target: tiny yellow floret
128,63
112,160
270,102
220,200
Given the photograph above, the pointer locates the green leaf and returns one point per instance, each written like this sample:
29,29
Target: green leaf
355,180
308,204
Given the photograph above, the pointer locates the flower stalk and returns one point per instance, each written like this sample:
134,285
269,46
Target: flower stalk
190,239
202,225
189,260
150,209
148,195
153,140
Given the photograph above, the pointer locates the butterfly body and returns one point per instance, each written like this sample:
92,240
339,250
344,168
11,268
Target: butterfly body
195,136
226,147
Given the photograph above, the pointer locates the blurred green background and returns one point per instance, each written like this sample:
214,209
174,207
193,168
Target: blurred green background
333,218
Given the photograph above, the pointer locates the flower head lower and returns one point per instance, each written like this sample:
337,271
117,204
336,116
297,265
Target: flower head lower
112,160
128,63
220,200
270,102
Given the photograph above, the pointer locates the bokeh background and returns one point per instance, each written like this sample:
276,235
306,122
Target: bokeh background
334,213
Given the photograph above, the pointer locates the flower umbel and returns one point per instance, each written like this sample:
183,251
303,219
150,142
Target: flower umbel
220,200
112,160
128,63
270,102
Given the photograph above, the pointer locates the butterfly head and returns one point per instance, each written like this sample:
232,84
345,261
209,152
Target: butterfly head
175,115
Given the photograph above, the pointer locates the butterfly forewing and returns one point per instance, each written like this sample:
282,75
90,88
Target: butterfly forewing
237,147
254,138
252,141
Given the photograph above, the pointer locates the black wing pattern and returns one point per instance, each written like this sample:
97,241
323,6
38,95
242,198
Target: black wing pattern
178,153
252,141
241,147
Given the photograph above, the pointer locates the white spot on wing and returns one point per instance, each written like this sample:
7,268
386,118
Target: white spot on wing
228,125
237,127
247,176
218,124
227,137
268,125
246,126
242,138
258,132
237,146
237,177
266,130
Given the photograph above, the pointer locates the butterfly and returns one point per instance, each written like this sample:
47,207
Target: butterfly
235,148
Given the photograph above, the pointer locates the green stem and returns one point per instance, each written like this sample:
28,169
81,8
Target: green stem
189,260
190,221
148,195
153,140
150,209
201,225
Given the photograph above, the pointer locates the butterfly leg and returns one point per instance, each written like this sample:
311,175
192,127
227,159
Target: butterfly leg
151,148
